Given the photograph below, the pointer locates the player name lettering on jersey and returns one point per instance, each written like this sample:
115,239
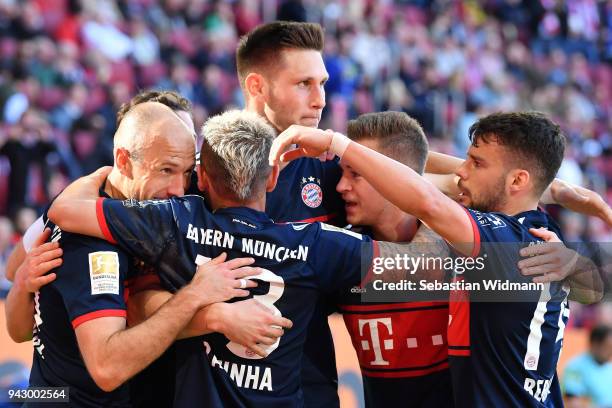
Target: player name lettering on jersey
272,251
244,375
250,246
539,389
205,236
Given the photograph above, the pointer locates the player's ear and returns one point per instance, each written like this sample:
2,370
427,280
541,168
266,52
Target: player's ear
272,178
202,178
254,84
123,162
520,180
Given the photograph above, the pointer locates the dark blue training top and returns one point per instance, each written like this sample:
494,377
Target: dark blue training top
300,261
89,285
504,345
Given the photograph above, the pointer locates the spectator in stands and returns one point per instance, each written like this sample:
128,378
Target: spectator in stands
28,143
587,378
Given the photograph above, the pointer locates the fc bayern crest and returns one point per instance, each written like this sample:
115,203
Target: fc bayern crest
312,195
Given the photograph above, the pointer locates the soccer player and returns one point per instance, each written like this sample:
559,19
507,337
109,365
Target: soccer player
501,353
282,75
180,105
80,336
416,362
299,260
241,321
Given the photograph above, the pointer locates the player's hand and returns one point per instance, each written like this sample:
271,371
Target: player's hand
43,257
326,156
551,261
85,187
252,325
580,200
312,142
219,280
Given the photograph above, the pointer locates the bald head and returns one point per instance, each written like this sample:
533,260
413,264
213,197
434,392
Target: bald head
154,153
146,124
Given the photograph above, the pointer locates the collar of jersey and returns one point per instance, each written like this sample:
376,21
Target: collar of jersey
245,212
535,218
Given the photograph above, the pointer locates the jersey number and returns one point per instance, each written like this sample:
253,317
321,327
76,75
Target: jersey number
277,287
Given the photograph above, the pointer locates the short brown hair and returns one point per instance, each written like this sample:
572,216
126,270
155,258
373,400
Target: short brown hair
171,99
399,136
262,46
535,142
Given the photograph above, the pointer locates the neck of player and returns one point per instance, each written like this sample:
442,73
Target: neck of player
115,185
253,106
394,226
515,206
217,201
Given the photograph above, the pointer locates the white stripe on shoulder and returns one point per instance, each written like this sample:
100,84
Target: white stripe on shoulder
32,233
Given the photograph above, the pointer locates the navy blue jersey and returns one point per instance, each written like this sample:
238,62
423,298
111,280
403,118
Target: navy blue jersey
300,261
504,353
89,285
306,192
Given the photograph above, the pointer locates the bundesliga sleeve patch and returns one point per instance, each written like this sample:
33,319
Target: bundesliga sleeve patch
104,272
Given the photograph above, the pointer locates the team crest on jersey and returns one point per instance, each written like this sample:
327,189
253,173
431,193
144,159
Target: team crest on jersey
312,195
104,272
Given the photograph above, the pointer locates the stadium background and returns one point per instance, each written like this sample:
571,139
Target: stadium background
66,66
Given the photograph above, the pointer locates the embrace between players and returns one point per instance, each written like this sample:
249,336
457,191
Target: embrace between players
275,348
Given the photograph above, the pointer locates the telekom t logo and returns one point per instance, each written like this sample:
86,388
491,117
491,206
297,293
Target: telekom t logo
388,343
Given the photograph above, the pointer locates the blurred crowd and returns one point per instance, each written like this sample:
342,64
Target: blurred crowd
67,65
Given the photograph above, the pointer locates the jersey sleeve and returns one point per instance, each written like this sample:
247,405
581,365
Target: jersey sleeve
32,233
142,228
91,278
342,258
491,229
476,231
497,242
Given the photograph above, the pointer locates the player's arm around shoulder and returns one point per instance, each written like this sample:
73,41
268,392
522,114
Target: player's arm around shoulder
554,261
396,182
246,322
413,194
15,259
18,254
75,209
425,245
113,354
